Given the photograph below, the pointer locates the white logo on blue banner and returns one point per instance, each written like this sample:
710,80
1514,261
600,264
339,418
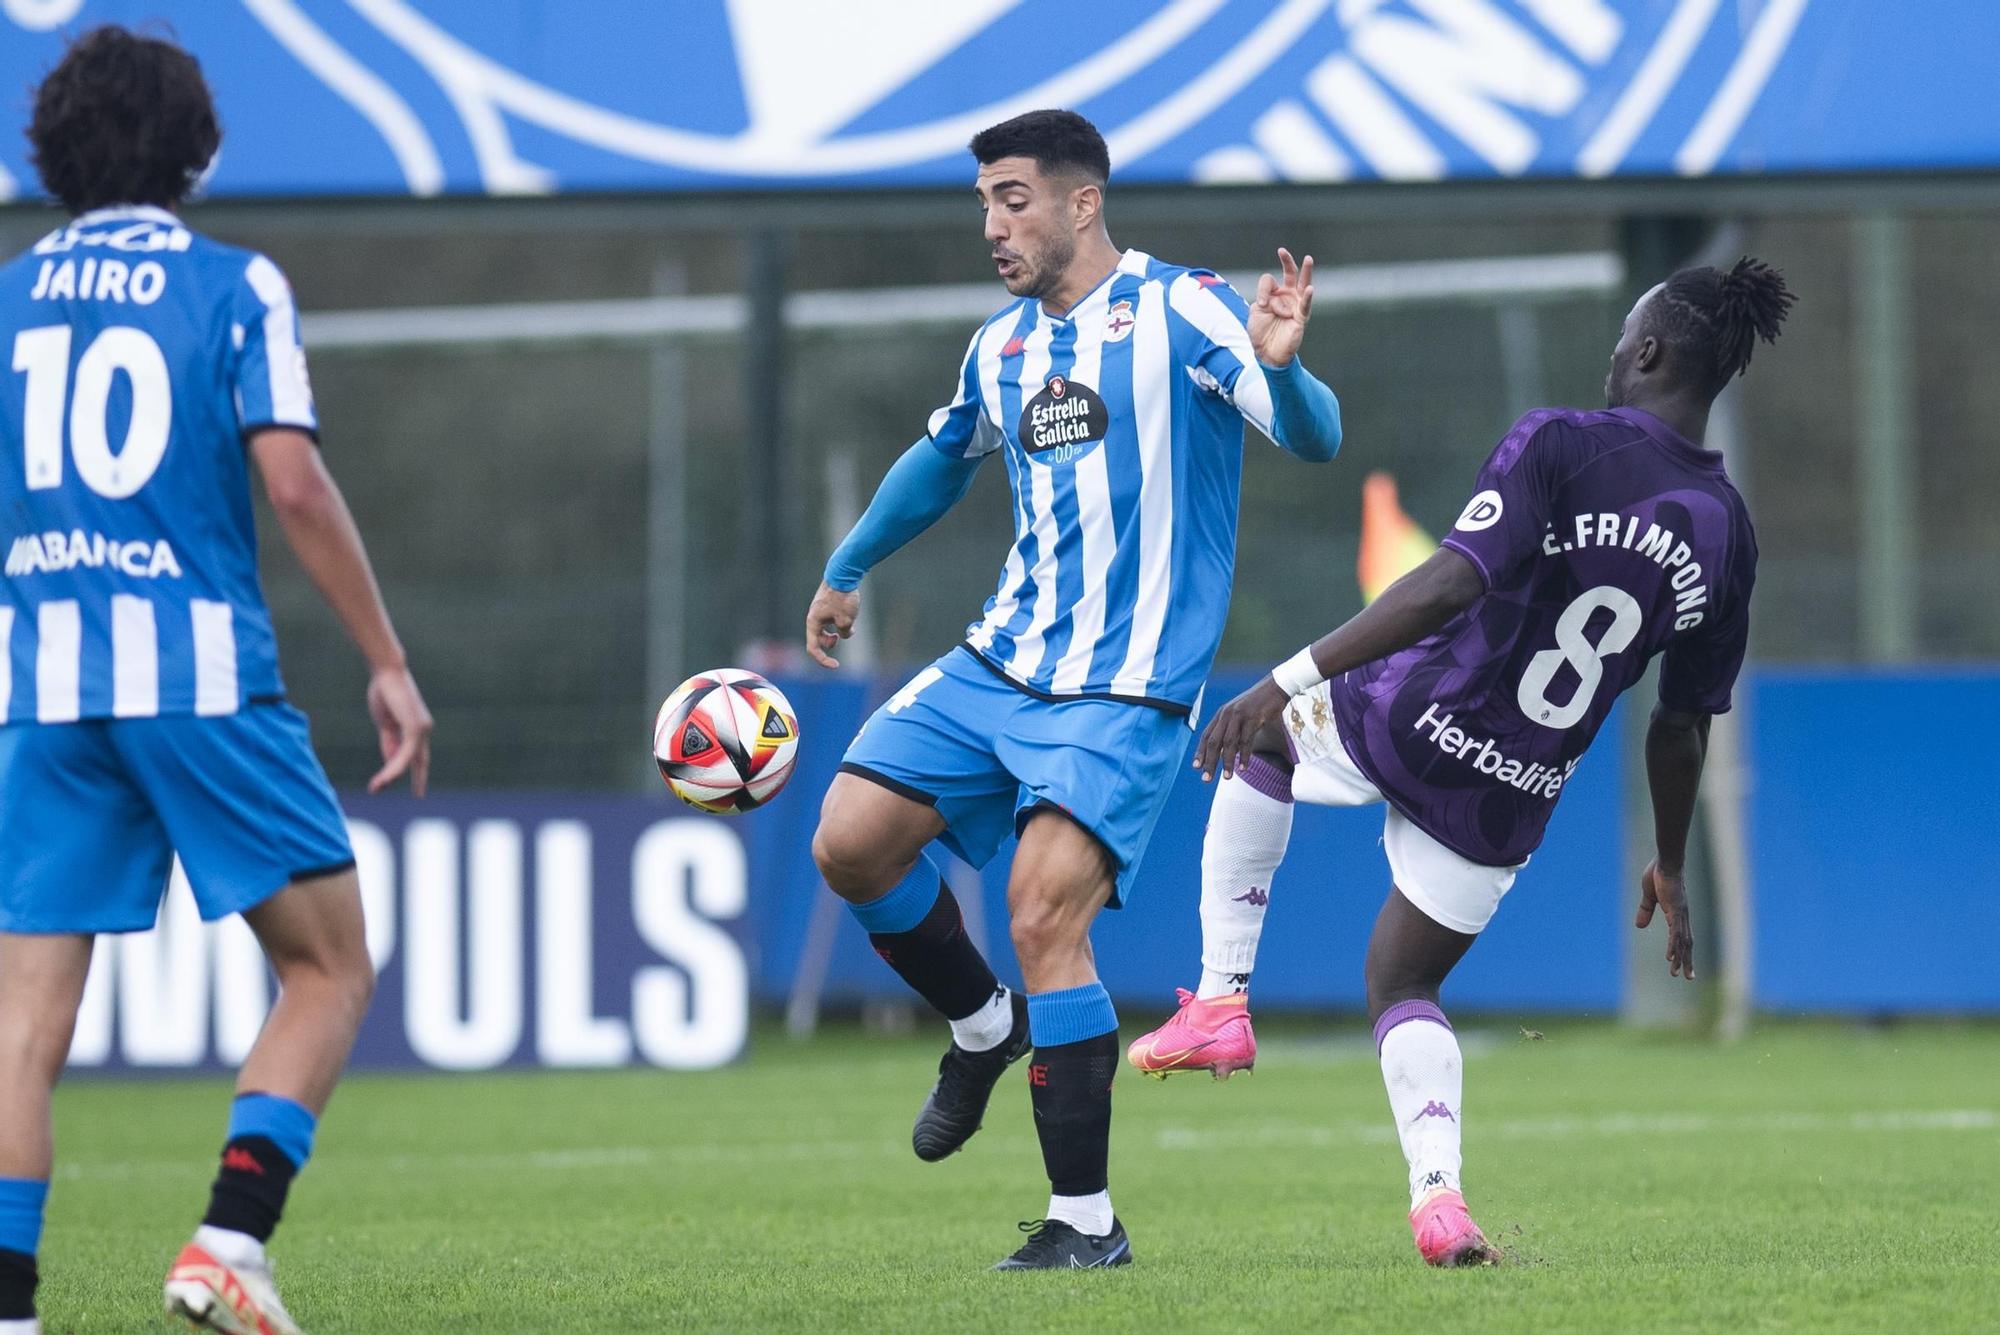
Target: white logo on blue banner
539,96
583,933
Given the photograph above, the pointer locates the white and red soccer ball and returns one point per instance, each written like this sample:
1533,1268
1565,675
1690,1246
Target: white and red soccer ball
726,741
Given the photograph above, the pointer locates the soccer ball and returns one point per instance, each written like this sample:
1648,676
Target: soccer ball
726,741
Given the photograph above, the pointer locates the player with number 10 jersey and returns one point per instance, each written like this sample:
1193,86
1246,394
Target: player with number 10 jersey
143,355
142,720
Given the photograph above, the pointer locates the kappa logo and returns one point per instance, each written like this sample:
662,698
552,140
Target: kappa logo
1254,897
1435,1109
241,1161
763,94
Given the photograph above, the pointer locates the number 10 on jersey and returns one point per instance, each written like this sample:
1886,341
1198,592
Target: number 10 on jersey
43,354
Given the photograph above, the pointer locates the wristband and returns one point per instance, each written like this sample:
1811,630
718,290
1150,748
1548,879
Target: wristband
1297,674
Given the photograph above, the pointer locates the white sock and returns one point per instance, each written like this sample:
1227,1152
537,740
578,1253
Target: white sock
1086,1214
1249,824
987,1027
1215,983
26,1325
228,1246
1425,1076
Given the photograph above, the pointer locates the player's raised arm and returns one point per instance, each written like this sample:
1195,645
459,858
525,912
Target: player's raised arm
1408,610
321,531
1248,354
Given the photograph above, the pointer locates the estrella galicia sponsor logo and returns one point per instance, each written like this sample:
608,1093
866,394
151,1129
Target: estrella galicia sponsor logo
1482,511
1064,422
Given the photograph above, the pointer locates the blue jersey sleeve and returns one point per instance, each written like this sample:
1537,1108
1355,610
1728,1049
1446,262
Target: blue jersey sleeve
915,494
272,388
1211,325
962,428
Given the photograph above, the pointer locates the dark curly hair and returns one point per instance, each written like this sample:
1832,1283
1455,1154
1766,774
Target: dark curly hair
122,119
1711,319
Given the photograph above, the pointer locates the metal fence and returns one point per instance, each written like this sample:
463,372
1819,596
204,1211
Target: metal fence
596,469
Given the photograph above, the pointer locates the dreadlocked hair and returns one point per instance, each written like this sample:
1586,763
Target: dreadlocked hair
1711,319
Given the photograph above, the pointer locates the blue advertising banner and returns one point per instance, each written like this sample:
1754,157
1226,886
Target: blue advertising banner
505,931
498,97
607,931
1875,829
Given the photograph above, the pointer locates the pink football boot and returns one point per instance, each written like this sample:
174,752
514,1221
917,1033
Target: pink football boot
1212,1035
1446,1234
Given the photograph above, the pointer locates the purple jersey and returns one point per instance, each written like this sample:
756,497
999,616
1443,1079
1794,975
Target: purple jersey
1604,539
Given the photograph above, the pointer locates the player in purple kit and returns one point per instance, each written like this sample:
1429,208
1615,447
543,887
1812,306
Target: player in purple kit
1466,694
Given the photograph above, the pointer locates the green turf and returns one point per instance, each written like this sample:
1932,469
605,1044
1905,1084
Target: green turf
1812,1178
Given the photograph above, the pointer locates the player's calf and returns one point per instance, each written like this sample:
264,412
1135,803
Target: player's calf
1061,877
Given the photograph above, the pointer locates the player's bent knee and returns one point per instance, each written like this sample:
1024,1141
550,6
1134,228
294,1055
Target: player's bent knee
851,868
1043,925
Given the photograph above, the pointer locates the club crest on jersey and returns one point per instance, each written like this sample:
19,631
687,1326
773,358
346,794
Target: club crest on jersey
1119,322
1064,422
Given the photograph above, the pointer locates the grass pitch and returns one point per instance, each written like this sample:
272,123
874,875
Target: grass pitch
1812,1178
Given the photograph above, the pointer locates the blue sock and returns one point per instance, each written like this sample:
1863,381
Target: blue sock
1071,1015
1076,1059
270,1139
903,907
285,1123
21,1203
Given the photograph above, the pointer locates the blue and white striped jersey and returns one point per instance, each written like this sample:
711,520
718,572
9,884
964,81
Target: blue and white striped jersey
140,356
1122,426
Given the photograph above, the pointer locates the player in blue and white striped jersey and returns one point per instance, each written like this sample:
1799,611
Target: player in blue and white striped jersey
1116,389
141,711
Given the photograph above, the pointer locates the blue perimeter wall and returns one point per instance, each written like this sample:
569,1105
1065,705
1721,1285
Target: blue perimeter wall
1876,859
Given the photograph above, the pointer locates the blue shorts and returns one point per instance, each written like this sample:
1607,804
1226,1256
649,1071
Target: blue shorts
963,739
92,813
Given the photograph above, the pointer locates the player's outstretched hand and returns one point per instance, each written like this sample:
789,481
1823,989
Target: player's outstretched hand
1668,893
403,727
1228,738
1278,316
830,620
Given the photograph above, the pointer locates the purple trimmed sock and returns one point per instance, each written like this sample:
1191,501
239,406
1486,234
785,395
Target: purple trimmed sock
1402,1011
1267,778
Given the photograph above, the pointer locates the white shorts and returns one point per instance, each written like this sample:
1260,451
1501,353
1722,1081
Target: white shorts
1452,891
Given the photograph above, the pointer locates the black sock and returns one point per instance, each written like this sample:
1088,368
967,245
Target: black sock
1071,1088
249,1191
938,959
17,1285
